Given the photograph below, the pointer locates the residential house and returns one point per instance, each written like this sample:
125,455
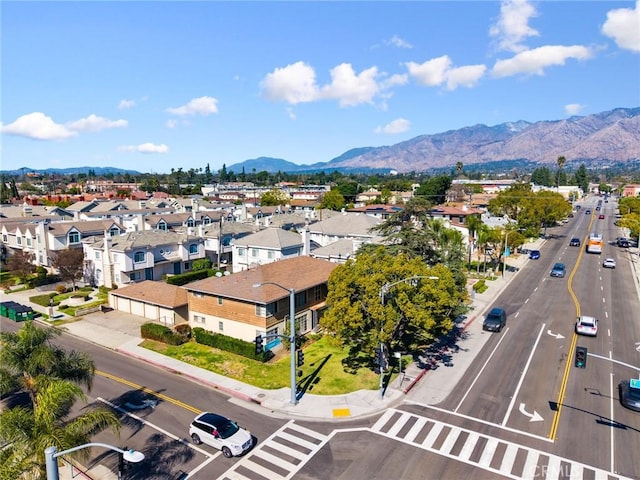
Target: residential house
156,301
379,210
356,227
257,301
266,246
136,256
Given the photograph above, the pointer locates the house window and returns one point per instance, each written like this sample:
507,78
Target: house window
74,237
4,238
190,222
206,220
272,308
301,323
219,300
317,293
116,258
220,326
193,248
271,254
254,252
273,331
187,265
261,311
199,319
162,225
301,299
28,241
117,277
134,276
138,257
114,232
198,295
97,253
241,251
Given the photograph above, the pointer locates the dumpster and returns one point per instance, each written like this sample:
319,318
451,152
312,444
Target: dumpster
18,312
5,306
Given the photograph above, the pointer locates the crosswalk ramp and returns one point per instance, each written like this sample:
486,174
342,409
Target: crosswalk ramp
280,456
489,453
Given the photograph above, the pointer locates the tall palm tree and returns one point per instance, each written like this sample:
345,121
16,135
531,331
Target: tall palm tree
560,161
28,430
29,360
473,224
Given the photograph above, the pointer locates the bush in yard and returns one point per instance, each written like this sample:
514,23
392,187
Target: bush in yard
184,330
185,278
230,344
480,286
160,333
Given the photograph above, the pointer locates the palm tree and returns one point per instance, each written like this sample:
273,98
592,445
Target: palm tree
459,168
560,161
27,431
473,224
29,360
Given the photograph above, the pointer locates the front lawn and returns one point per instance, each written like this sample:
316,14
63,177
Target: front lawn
322,372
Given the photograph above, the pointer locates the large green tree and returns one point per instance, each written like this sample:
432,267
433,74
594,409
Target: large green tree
434,189
332,200
274,197
70,264
413,314
26,431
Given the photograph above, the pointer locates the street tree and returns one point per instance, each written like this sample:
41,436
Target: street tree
581,178
511,201
274,197
332,200
70,264
435,189
549,208
29,359
20,263
413,314
26,431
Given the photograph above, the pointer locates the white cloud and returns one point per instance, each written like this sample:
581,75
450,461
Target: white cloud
535,61
351,89
623,26
573,108
126,104
145,148
430,73
171,123
38,126
438,71
93,123
197,106
295,83
466,76
512,26
396,41
291,113
399,125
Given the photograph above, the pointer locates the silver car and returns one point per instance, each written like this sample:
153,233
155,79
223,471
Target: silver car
609,263
586,325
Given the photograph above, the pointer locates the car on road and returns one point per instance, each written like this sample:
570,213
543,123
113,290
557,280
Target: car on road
609,263
575,242
623,242
629,391
586,325
601,217
534,254
587,212
221,433
495,320
558,270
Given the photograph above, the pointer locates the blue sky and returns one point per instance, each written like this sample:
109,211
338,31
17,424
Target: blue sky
152,86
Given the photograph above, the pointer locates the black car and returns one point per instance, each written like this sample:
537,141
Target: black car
575,242
623,243
496,319
587,212
629,391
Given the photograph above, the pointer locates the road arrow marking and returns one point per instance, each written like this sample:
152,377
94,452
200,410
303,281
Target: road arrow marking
637,346
533,417
557,335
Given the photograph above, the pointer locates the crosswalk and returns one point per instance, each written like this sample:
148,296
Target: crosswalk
280,456
492,454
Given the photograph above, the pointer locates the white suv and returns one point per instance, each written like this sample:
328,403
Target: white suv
221,433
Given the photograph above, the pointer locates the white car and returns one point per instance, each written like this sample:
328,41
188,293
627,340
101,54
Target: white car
221,433
586,325
609,263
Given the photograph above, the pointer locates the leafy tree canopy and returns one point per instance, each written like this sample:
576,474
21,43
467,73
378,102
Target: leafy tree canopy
274,197
332,200
70,264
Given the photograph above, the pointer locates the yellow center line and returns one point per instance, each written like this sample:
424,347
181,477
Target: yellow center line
159,395
574,340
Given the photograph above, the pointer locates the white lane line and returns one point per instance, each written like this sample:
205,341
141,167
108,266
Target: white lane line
612,419
526,367
517,313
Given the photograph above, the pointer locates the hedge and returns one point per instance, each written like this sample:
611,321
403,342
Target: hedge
184,278
480,286
230,344
39,281
161,333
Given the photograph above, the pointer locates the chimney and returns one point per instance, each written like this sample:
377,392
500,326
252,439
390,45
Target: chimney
306,242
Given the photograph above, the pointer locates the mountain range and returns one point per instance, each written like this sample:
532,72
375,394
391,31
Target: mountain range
601,138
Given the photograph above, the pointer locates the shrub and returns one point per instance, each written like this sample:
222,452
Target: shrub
42,280
185,278
230,344
184,330
480,286
160,333
61,289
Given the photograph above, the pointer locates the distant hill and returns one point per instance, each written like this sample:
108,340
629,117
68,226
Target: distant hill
70,171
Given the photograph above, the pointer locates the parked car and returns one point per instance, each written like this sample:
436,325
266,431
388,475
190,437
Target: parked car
587,212
609,263
623,243
629,391
221,433
575,242
534,254
558,270
495,320
601,217
586,325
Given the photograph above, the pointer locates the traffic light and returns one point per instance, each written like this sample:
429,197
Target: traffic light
259,347
581,357
300,357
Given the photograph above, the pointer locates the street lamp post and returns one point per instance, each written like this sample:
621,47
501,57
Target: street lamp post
51,455
504,255
292,337
383,291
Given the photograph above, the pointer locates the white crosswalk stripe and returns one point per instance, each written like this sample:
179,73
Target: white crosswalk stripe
497,455
280,456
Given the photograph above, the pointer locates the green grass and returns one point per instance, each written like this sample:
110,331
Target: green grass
322,373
